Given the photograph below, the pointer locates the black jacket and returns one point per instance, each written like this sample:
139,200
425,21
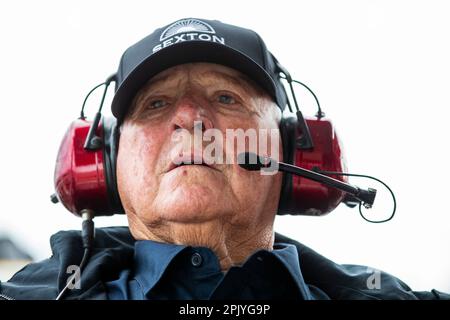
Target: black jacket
114,249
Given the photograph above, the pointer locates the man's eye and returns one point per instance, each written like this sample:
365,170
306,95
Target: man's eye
226,99
158,104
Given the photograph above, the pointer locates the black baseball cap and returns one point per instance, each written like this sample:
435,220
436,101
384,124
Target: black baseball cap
196,40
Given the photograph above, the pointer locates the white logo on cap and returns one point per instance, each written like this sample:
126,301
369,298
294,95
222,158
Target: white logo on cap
186,25
187,30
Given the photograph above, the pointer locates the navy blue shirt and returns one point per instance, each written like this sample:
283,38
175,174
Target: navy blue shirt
121,268
168,271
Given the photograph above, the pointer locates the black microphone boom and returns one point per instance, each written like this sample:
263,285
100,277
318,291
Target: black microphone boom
253,162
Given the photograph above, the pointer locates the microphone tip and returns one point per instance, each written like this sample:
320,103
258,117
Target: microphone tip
251,161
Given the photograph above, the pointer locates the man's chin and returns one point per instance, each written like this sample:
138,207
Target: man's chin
195,204
188,217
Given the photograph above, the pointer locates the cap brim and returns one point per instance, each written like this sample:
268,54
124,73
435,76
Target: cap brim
187,52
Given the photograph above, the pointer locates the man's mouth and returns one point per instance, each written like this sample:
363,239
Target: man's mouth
192,164
187,161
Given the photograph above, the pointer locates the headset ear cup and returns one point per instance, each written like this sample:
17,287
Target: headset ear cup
110,149
288,126
302,196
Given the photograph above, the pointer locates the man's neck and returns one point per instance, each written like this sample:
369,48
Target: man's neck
231,245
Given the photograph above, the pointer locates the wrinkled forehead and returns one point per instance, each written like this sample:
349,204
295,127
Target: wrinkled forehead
203,74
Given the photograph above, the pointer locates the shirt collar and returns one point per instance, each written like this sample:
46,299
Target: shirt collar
151,259
287,254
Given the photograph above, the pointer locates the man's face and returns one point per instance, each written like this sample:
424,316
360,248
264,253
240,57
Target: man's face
155,191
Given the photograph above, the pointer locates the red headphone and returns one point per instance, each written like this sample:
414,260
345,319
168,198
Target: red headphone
85,172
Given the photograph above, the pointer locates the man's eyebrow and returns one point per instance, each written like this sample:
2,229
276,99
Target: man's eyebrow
157,79
235,80
152,83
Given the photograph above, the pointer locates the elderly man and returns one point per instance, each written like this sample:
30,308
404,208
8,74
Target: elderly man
199,228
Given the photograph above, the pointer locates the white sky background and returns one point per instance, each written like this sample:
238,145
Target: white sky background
381,70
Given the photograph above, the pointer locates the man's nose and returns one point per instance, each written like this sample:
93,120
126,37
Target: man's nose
190,111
